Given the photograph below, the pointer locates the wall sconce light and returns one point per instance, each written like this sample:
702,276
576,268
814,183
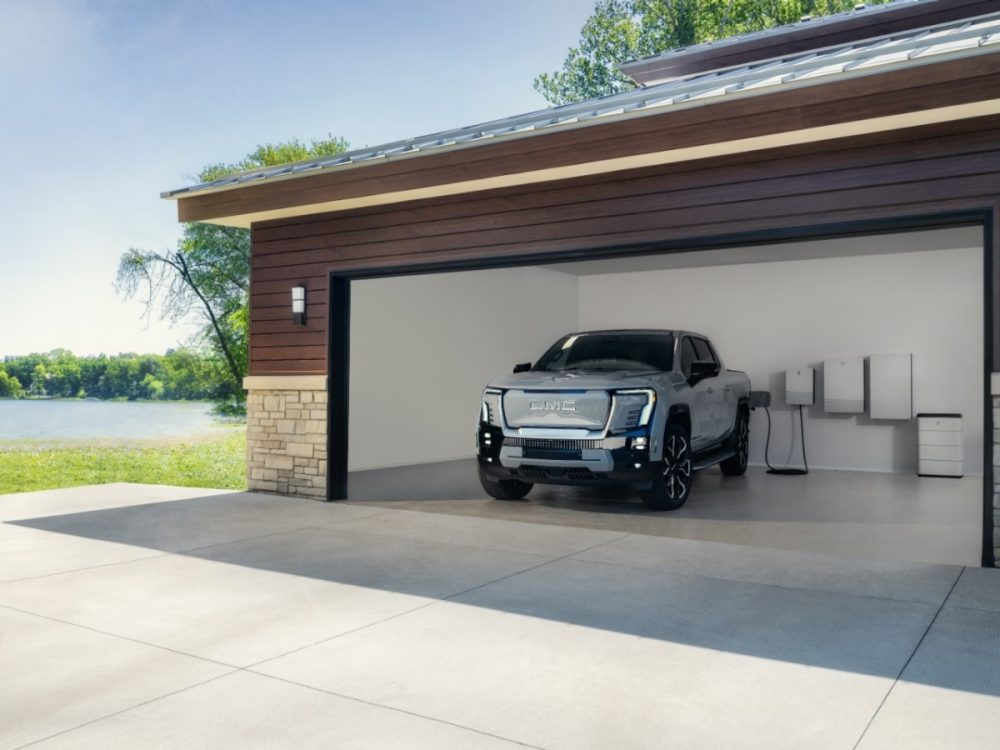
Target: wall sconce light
299,305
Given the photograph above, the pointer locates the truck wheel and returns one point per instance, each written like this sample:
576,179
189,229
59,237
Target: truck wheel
737,465
671,487
503,489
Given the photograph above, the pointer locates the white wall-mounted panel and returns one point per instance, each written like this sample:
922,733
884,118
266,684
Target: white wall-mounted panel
890,386
844,385
800,386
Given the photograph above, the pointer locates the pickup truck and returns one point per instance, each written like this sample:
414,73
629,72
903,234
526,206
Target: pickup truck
643,408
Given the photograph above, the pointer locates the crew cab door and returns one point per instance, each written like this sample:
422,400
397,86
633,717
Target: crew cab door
704,424
723,398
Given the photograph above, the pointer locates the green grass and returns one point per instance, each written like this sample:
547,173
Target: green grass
217,461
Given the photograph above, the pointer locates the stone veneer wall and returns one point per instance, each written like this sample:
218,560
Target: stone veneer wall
286,439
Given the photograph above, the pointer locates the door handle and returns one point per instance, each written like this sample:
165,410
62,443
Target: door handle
710,390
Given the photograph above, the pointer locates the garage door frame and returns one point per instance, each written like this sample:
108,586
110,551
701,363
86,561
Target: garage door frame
339,314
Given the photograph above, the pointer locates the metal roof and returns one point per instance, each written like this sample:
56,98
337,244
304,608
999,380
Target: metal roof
806,22
911,48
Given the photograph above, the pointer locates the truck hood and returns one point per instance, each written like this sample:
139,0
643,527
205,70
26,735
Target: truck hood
574,381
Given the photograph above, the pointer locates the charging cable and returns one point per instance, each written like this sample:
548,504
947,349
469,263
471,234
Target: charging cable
767,446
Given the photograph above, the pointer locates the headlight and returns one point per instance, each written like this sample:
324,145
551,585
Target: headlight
633,409
490,413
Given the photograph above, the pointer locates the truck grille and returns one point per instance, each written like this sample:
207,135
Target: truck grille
553,443
573,409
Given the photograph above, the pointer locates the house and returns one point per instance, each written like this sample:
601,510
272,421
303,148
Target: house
828,189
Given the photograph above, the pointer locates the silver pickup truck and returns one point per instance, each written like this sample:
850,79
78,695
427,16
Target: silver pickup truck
636,407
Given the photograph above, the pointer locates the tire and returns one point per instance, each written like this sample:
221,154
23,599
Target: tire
672,486
503,489
736,466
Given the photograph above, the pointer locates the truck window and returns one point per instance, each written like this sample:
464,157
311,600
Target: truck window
610,351
688,355
704,351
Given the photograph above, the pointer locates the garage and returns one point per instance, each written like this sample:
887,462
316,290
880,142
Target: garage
816,207
862,493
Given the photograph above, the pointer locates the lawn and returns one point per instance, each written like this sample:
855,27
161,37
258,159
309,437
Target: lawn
217,461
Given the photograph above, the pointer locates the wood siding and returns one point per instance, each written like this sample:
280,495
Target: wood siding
931,170
909,90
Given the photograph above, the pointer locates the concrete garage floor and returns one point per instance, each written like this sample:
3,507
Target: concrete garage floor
848,513
136,616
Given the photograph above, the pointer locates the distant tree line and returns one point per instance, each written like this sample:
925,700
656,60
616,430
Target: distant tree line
180,374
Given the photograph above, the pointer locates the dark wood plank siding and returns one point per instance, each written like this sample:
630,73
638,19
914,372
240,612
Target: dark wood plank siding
920,171
889,93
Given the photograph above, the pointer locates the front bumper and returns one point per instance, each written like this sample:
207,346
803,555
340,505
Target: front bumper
613,460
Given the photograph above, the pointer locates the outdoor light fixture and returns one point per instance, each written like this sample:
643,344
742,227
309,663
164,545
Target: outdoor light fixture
299,305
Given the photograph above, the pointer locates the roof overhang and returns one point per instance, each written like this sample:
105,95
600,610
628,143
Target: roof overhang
888,98
852,26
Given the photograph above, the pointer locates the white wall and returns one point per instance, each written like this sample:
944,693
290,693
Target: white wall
767,316
423,347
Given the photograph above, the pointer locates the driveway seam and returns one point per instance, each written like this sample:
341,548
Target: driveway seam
120,636
88,567
158,553
913,653
507,550
128,708
396,709
431,603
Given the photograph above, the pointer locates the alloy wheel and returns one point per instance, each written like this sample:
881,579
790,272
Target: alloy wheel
676,466
743,441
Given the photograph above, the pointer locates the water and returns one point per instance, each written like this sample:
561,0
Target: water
102,420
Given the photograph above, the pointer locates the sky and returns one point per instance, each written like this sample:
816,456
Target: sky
104,104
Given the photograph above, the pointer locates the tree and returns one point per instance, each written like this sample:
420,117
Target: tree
38,377
151,387
624,30
208,273
10,386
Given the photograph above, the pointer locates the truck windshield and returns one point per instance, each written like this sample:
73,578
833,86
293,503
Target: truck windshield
610,351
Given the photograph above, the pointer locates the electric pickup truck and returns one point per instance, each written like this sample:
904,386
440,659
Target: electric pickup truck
643,408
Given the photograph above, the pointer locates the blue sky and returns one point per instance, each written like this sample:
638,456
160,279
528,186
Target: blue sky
108,102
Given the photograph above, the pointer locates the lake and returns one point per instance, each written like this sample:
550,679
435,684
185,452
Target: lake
102,420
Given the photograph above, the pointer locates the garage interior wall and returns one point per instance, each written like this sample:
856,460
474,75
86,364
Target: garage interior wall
423,347
920,293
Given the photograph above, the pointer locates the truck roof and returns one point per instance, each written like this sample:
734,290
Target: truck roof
647,331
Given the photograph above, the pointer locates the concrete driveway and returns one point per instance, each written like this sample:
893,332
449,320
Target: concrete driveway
138,616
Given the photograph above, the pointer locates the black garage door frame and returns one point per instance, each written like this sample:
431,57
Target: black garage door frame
339,315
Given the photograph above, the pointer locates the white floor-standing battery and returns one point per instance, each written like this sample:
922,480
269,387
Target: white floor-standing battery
939,445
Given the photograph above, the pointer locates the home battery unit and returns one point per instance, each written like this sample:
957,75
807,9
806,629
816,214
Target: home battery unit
890,386
800,386
844,385
939,445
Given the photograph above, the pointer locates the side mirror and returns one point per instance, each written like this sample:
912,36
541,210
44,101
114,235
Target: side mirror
523,367
702,369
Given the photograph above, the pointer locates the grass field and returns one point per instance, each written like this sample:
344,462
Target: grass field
216,461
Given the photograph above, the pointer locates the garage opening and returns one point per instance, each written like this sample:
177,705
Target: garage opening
422,348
